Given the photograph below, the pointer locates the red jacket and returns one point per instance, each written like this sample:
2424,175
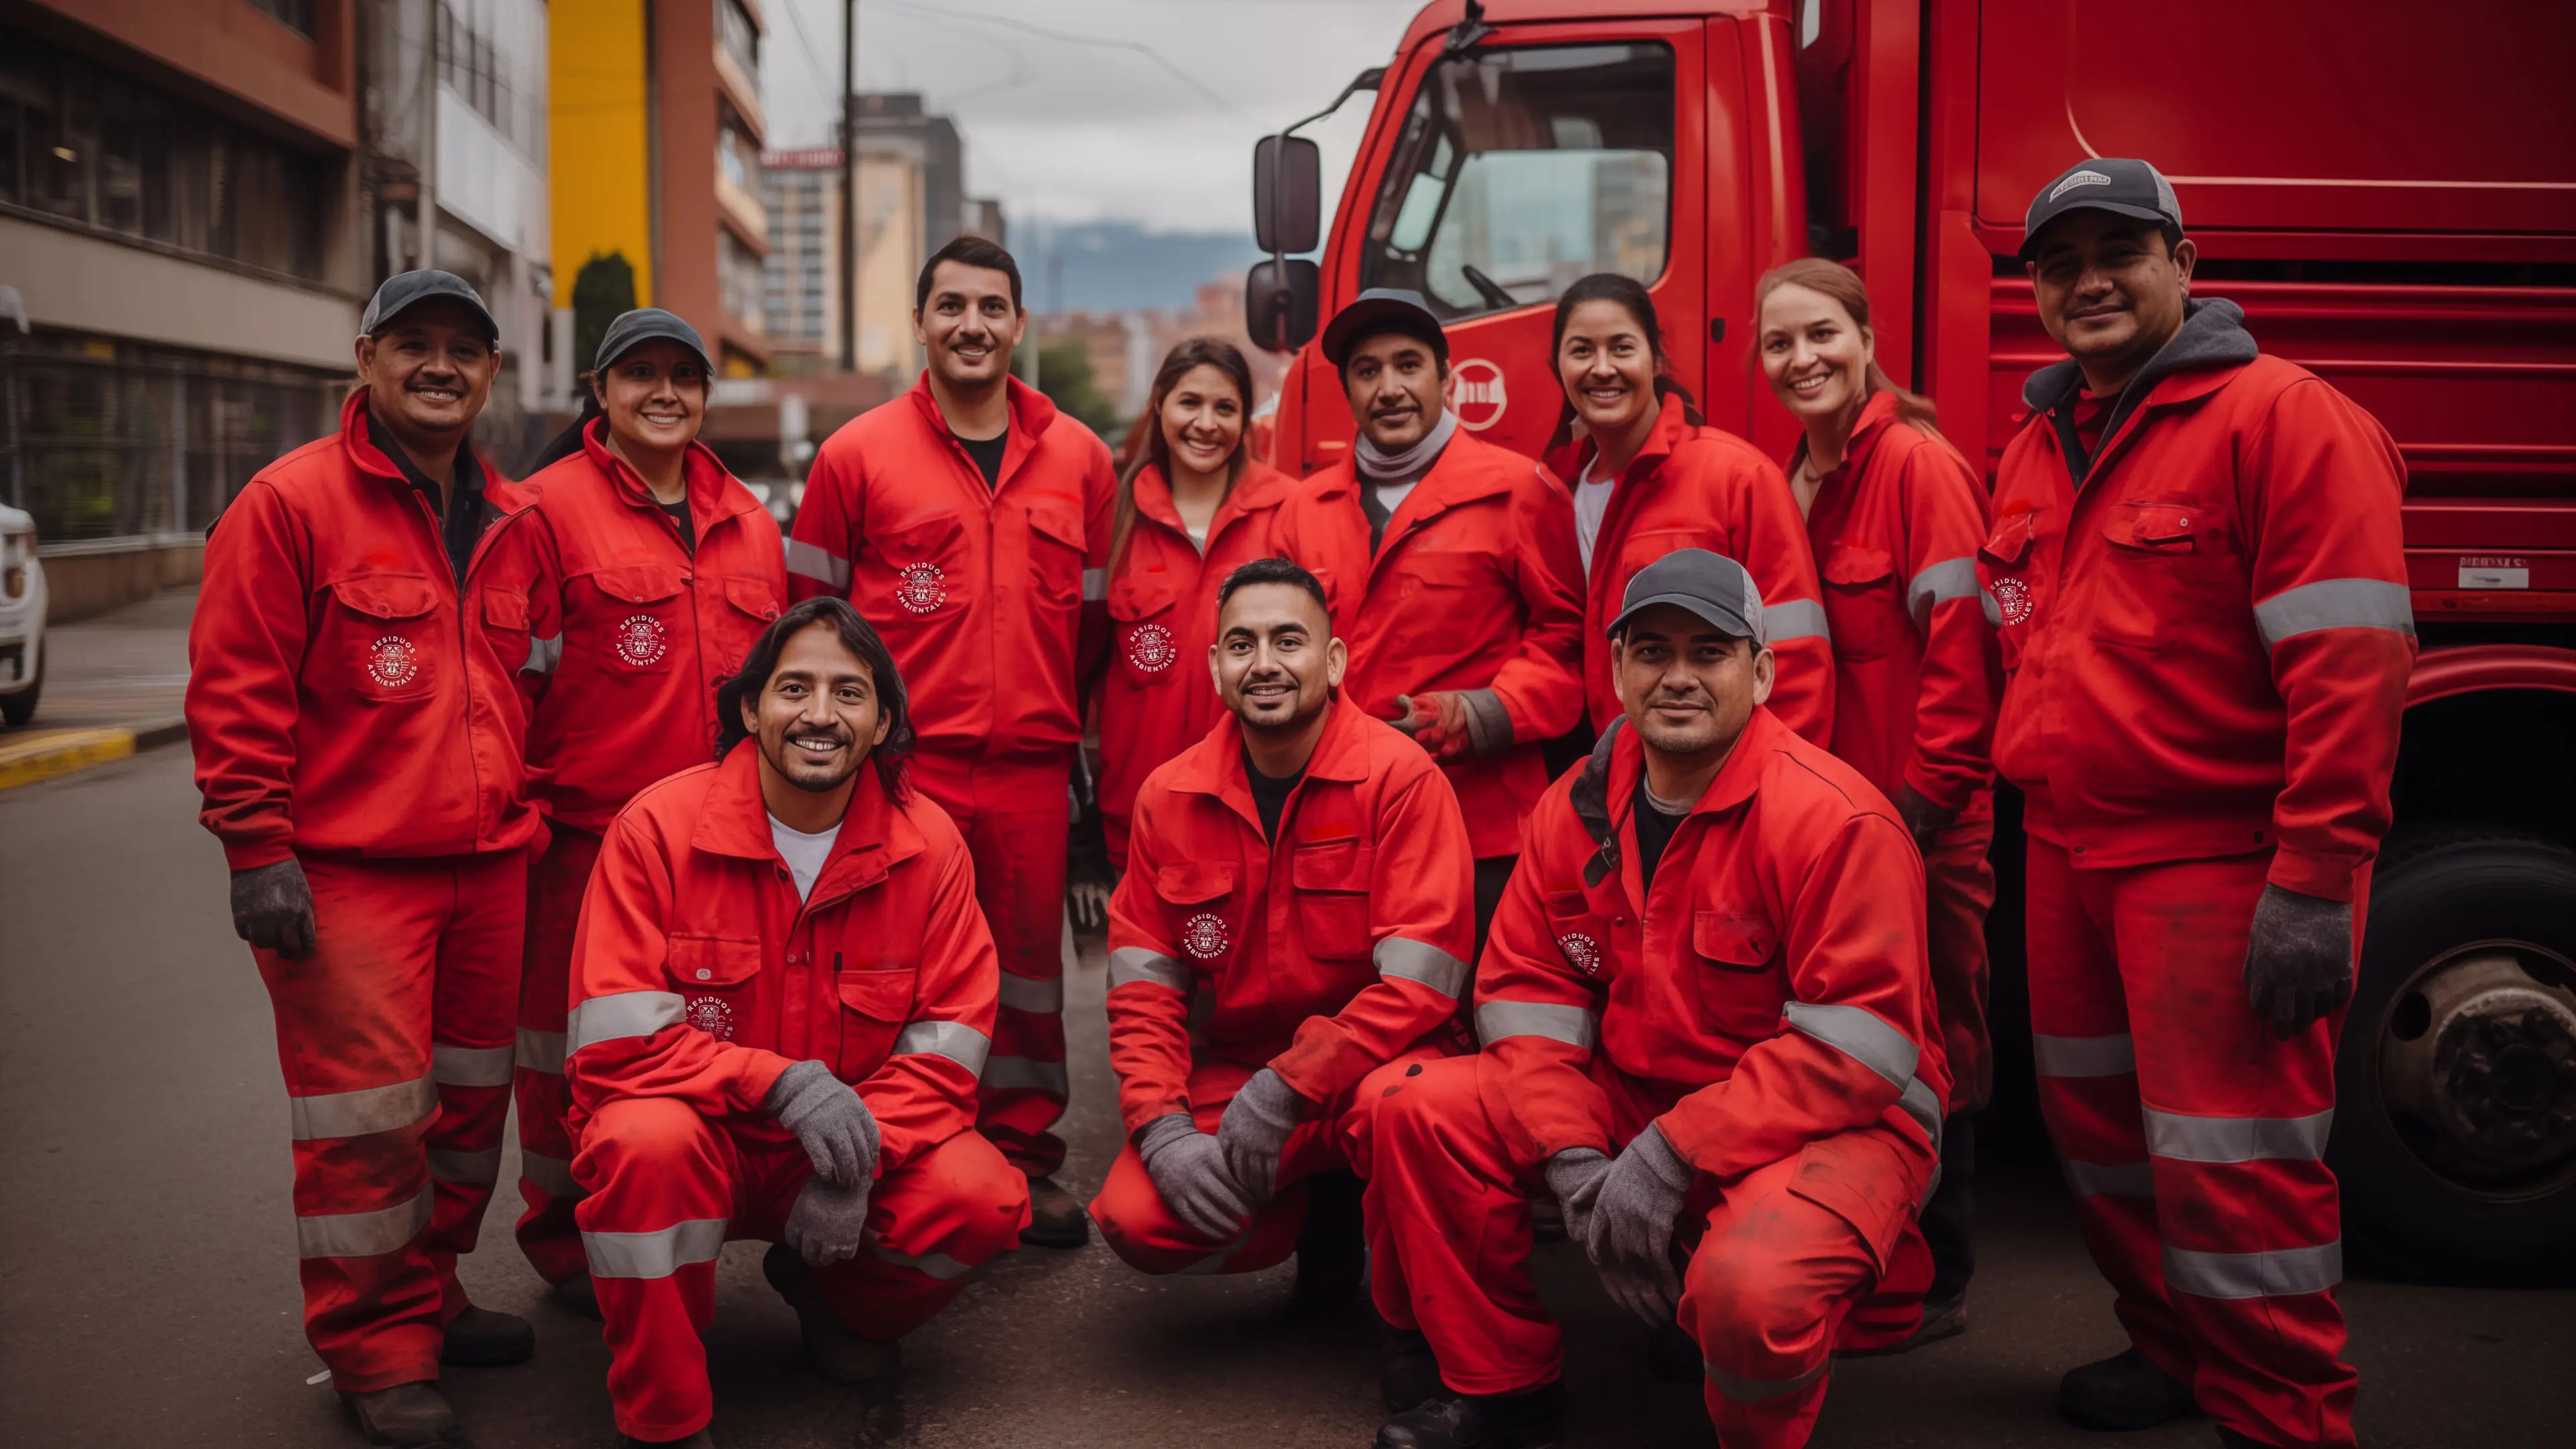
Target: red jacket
697,975
1772,992
1155,696
1325,956
2206,648
1896,530
989,597
337,699
628,633
1704,487
1473,587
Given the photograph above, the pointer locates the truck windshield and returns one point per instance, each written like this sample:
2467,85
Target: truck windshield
1521,169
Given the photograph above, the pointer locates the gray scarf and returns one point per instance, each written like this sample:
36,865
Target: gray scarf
1375,462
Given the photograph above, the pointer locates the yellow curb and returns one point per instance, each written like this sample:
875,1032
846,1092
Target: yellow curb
24,762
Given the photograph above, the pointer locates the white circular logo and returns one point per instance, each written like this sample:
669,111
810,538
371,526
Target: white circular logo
921,588
1476,394
1150,649
712,1015
1581,950
1203,936
641,640
2012,600
392,661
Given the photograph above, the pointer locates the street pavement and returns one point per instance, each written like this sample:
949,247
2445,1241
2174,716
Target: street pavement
147,1282
124,667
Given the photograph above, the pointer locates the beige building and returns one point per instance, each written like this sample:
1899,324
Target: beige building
802,190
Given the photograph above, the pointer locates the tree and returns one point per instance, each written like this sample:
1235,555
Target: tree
1064,375
602,291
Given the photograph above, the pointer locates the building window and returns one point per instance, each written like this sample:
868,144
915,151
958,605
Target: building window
738,278
295,15
739,37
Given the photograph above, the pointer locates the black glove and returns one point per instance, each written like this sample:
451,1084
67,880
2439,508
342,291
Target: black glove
1923,819
2298,966
826,1223
831,1122
1630,1236
1189,1172
273,908
1574,1175
1254,1131
1088,877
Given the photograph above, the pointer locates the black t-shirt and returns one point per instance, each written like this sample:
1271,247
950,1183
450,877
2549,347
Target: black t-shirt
680,515
1269,795
987,453
458,527
1654,831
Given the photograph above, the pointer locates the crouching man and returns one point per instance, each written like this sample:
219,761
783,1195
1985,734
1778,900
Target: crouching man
1303,875
782,993
1705,1012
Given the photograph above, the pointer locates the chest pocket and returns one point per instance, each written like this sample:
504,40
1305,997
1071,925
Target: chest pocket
1582,934
2169,575
911,572
1435,573
752,605
1055,553
1196,892
875,1004
1332,885
1862,606
2005,583
385,643
639,623
714,977
505,624
1141,617
1739,988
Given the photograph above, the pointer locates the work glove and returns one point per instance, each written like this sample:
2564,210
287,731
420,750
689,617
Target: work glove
2298,966
1254,1131
1189,1172
1088,878
273,908
825,1224
1923,819
1455,724
831,1122
1574,1175
1630,1234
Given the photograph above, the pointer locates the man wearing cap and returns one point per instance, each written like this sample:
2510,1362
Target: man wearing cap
1451,571
357,739
1708,1028
2197,579
634,587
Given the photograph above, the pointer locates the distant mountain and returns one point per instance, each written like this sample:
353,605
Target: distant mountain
1115,266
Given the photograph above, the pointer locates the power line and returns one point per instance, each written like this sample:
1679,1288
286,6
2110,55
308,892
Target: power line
822,88
1068,37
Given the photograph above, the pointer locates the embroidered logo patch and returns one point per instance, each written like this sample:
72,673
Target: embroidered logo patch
392,661
1150,648
2080,178
640,640
921,588
1204,937
1581,950
2012,600
712,1015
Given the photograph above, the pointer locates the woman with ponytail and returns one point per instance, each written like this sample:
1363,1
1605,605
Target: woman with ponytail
1895,516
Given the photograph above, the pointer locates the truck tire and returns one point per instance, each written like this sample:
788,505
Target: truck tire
19,708
2455,1126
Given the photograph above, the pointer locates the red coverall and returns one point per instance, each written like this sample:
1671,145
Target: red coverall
1768,1009
1155,698
2206,651
1703,487
1475,586
697,978
1896,530
991,599
1335,957
344,714
628,634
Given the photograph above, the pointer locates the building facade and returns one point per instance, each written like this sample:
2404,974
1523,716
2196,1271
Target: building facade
803,303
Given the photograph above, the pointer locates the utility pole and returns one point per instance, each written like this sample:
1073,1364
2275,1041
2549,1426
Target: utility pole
849,185
432,13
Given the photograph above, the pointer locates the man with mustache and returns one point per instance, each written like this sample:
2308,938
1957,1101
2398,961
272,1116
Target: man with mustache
970,522
1305,869
782,994
357,737
1449,566
2199,586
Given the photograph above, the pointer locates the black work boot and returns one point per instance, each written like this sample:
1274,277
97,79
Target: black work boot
699,1440
1332,1246
580,1295
838,1354
1056,1218
481,1338
406,1416
1531,1420
1412,1372
2121,1393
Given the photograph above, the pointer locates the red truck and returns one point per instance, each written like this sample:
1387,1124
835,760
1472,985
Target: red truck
2388,189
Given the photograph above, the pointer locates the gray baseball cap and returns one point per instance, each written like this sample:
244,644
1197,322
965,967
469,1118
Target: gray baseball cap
405,290
1379,310
1710,585
2105,183
644,324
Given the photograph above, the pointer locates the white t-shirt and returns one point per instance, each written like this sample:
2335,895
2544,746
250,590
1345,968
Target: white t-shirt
803,853
1591,505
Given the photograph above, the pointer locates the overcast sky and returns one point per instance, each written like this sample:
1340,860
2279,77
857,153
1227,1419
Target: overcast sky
1073,131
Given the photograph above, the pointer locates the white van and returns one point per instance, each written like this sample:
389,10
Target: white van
22,617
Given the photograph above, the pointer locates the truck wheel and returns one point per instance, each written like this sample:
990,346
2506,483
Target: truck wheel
2455,1126
19,708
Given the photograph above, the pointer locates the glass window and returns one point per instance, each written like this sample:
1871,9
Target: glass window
1519,170
740,38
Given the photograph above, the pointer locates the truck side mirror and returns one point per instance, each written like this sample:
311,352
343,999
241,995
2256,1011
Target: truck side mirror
1287,195
1279,303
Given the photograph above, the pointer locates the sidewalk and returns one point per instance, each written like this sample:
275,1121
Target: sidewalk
113,685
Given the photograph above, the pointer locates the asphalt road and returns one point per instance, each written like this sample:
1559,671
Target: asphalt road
147,1272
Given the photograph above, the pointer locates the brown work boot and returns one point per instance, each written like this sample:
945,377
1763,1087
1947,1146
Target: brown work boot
580,1295
838,1354
406,1416
481,1338
1056,1218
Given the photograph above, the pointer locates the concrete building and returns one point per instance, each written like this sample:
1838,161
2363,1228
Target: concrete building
893,123
803,192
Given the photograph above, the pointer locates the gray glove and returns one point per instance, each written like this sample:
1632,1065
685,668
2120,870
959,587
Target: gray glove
1254,1131
1189,1172
1575,1175
273,908
2298,966
1630,1236
825,1224
830,1121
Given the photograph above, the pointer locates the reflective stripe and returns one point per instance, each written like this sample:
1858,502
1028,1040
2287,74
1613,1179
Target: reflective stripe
1411,960
1575,1026
543,655
1129,965
463,1066
934,1265
2334,604
2178,1138
1028,993
2276,1274
1925,1108
369,1109
1004,1074
1754,1391
2110,1179
2085,1056
550,1173
363,1235
541,1051
1796,619
954,1040
469,1169
1095,585
1213,1263
1937,584
656,1254
620,1014
812,562
1858,1033
1994,608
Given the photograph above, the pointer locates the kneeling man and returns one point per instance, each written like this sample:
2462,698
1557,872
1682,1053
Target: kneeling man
1708,1028
1290,938
782,995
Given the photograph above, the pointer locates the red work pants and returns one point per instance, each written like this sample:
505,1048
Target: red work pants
1771,1290
555,887
394,1036
1335,1136
1013,817
2193,1139
670,1186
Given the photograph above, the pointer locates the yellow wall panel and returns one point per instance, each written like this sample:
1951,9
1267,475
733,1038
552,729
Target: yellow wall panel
601,150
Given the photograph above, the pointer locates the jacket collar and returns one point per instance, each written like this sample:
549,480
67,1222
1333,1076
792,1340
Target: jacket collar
703,475
876,833
1257,487
1465,471
1214,766
1032,413
1672,429
1735,780
2210,348
501,495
